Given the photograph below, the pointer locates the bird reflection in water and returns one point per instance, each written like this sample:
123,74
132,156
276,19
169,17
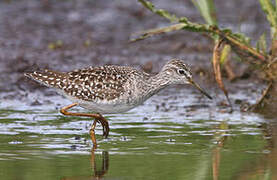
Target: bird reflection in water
99,170
220,142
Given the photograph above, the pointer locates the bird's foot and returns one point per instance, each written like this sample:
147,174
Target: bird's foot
105,125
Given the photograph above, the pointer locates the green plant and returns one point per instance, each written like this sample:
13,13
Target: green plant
237,42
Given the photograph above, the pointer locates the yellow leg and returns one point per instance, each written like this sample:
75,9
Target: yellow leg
98,118
92,133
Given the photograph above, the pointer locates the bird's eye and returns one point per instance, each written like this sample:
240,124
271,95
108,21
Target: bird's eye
181,71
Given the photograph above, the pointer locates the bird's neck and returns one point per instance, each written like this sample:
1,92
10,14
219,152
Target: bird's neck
158,82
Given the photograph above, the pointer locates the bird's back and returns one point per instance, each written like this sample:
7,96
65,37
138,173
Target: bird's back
93,86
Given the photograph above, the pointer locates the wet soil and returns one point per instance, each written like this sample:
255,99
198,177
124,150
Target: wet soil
65,35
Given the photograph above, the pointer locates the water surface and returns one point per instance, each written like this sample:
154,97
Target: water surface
178,134
166,138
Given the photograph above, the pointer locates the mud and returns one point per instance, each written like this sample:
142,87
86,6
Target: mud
65,35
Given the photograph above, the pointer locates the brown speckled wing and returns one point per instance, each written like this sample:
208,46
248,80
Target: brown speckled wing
90,84
97,83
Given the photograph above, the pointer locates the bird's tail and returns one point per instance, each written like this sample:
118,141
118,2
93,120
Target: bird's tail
48,78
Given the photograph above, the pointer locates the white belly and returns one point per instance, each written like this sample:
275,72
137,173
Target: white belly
105,107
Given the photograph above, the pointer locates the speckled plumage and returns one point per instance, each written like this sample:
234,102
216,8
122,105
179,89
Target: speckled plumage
112,89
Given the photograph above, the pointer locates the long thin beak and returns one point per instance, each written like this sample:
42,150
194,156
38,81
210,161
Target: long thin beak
199,88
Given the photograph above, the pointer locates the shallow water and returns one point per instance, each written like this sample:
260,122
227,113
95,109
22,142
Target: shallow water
174,140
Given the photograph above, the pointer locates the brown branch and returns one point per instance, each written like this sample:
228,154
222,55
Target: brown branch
217,71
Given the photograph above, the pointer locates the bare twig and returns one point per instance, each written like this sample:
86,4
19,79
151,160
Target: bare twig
261,99
145,34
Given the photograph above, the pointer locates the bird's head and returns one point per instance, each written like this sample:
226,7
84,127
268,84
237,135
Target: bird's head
179,73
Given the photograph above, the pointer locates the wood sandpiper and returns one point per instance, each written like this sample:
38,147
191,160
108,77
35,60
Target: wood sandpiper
112,89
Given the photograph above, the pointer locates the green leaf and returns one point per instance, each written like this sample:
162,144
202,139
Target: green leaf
207,10
225,53
261,44
271,14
